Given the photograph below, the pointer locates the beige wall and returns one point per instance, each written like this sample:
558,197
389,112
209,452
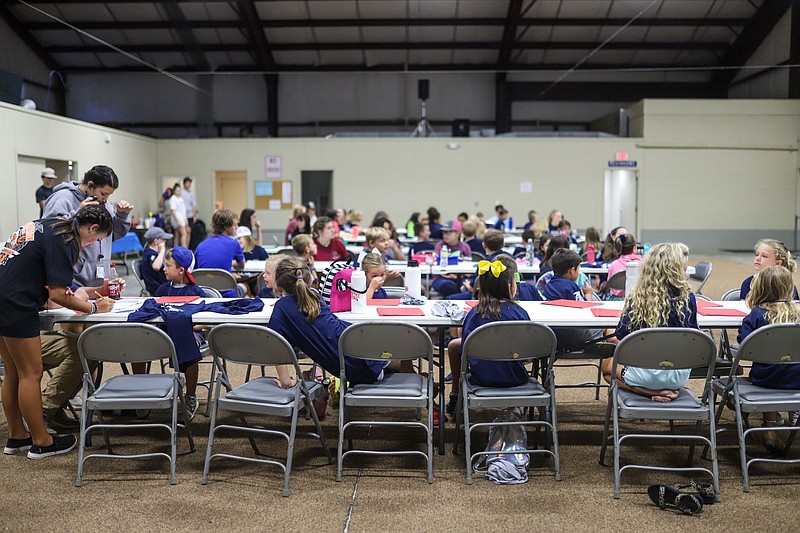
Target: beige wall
27,136
404,175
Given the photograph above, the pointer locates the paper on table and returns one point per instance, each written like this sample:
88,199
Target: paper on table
383,301
602,311
706,303
471,303
719,311
578,304
400,311
176,299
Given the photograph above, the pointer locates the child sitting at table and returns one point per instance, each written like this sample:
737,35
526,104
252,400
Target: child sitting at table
557,242
562,286
661,298
306,322
447,284
470,229
769,252
221,250
497,289
423,243
303,245
269,275
375,271
625,246
251,250
151,267
770,299
493,243
178,269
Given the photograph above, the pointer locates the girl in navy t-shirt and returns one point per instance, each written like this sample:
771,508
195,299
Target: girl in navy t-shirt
375,271
770,300
661,298
36,264
497,288
769,252
307,323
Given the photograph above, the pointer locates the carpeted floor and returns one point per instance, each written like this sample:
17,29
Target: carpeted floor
392,494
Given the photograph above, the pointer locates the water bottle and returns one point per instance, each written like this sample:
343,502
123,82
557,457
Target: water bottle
590,258
647,247
358,288
444,255
510,224
529,253
631,274
413,279
114,288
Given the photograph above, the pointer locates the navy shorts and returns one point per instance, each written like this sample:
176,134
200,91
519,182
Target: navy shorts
19,325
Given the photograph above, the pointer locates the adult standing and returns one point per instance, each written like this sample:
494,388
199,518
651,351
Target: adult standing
191,207
249,220
311,211
36,265
98,184
46,190
177,211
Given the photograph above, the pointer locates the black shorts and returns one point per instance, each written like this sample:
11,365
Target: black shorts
20,325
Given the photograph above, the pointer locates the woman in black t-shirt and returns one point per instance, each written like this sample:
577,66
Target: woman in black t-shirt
36,264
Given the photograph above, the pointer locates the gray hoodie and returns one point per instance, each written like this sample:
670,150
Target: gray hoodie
64,203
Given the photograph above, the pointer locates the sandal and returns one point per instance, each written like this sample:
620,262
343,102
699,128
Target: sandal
705,490
665,496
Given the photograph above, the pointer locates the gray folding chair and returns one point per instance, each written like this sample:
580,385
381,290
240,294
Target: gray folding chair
727,349
662,349
210,292
258,345
702,271
510,341
219,279
775,344
477,256
616,282
129,343
137,273
386,341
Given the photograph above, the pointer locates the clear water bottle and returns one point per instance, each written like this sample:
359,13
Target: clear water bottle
529,253
114,286
444,255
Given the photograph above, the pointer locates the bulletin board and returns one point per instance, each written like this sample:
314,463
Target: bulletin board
273,195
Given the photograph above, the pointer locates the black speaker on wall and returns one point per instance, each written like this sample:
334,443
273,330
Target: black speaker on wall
423,89
461,127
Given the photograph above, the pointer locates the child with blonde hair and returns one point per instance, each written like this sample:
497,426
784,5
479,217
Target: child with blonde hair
769,252
661,298
770,299
305,248
375,271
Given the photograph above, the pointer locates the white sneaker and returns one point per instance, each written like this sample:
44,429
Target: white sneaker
191,406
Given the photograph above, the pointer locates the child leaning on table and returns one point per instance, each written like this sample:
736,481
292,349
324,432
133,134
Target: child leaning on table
770,301
661,298
306,322
375,271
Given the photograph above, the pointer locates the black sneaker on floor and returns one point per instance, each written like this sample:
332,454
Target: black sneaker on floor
61,444
450,406
15,446
61,421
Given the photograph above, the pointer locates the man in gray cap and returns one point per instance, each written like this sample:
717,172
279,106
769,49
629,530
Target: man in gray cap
46,190
152,265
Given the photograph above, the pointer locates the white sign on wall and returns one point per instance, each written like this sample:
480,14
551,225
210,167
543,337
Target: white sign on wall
272,167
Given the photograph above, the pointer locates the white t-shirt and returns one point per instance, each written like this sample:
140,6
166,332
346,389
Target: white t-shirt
178,210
